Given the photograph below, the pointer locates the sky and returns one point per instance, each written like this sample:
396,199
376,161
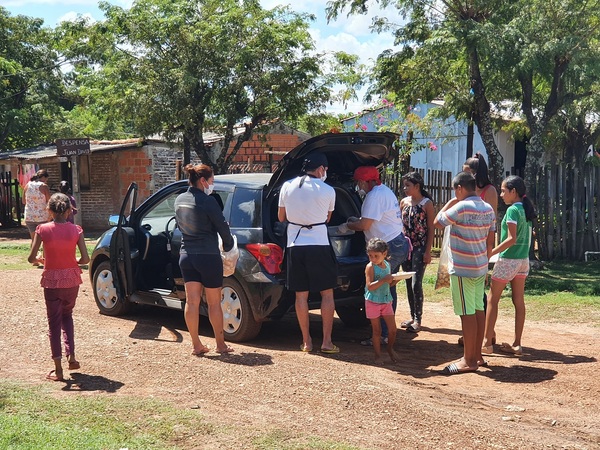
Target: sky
349,34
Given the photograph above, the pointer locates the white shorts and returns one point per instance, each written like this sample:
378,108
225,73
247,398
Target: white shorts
506,270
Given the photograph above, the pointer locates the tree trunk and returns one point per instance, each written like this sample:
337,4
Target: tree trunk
482,118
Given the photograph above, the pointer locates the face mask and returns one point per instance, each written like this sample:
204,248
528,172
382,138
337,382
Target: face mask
361,192
324,177
209,189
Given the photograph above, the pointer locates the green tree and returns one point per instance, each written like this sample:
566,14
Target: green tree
30,82
183,68
541,55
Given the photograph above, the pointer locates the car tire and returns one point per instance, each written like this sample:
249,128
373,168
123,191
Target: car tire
352,315
105,293
239,324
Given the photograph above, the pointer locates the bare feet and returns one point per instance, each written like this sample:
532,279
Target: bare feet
393,355
224,350
74,365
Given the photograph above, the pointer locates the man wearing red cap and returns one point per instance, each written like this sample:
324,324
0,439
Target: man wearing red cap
381,217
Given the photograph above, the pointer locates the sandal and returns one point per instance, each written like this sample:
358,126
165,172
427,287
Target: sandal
414,328
406,323
513,350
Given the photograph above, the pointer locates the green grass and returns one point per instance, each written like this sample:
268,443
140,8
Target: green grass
14,256
562,291
30,418
35,418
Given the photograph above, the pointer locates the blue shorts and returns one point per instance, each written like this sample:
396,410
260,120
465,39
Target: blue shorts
205,269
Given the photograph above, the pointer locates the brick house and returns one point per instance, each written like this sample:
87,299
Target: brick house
103,176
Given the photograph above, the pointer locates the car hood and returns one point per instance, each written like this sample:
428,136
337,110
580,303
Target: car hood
344,151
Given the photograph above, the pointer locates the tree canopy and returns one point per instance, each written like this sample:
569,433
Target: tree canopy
182,68
539,55
31,89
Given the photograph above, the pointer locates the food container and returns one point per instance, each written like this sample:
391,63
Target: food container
340,241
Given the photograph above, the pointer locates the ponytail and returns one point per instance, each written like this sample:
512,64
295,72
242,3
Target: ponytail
517,183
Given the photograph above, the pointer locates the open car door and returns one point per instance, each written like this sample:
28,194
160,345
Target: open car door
120,252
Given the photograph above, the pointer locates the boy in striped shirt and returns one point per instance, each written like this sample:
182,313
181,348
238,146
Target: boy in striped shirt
472,236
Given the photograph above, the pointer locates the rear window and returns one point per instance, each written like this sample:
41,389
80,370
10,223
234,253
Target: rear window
246,208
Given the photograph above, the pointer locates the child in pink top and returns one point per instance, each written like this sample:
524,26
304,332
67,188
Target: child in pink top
61,278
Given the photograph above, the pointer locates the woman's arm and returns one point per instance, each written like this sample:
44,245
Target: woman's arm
491,197
44,189
361,224
430,216
511,239
85,257
35,246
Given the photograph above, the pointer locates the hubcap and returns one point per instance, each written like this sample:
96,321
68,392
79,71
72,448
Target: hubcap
232,310
105,289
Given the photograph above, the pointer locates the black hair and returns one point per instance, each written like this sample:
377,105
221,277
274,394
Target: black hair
42,173
464,179
195,172
59,204
478,165
64,187
517,183
416,178
377,245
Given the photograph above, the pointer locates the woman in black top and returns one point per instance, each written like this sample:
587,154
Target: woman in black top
199,217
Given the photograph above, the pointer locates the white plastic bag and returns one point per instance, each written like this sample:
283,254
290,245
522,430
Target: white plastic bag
443,277
229,258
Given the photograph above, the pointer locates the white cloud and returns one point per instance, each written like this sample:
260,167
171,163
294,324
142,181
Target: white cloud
72,16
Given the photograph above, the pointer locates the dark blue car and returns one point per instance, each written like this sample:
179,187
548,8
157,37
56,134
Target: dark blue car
136,261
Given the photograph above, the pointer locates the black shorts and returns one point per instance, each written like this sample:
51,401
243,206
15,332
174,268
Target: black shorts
311,268
205,269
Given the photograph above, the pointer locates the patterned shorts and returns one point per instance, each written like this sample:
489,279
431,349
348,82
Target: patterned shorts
506,270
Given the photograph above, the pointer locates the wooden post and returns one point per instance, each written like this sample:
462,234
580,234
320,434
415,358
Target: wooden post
76,193
178,170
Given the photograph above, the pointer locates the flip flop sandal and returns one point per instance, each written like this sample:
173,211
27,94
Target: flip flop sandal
333,350
53,377
507,348
305,348
453,369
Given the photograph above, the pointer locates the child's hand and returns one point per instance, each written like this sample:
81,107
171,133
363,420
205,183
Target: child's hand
389,279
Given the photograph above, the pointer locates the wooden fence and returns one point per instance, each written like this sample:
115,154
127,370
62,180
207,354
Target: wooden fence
10,201
567,201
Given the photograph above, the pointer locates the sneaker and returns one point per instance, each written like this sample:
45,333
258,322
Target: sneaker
414,328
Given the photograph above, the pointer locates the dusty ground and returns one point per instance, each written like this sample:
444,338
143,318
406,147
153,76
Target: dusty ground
547,398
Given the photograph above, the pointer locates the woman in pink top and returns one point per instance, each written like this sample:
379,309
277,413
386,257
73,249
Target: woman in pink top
61,278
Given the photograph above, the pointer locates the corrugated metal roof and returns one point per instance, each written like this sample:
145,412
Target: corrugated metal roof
49,151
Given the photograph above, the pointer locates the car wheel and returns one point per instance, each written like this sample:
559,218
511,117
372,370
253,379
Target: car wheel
238,321
105,293
352,315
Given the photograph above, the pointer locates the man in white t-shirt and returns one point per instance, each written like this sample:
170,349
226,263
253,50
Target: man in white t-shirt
381,217
307,202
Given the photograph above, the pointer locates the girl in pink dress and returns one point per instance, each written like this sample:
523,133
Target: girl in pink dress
61,278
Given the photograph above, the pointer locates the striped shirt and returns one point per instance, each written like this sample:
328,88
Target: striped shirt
471,220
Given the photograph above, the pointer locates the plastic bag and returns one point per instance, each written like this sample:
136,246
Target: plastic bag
229,258
443,277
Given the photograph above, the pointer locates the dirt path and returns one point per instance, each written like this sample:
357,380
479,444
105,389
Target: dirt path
547,398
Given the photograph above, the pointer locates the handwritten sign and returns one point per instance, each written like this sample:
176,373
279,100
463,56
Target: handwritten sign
72,147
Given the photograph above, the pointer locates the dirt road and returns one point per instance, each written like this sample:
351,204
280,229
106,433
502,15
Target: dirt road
547,398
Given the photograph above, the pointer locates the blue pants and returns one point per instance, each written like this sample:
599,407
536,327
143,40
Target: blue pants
398,253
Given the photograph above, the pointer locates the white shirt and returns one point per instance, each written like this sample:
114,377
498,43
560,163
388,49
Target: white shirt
306,205
381,205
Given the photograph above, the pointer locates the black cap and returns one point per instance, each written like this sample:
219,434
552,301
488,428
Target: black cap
314,161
